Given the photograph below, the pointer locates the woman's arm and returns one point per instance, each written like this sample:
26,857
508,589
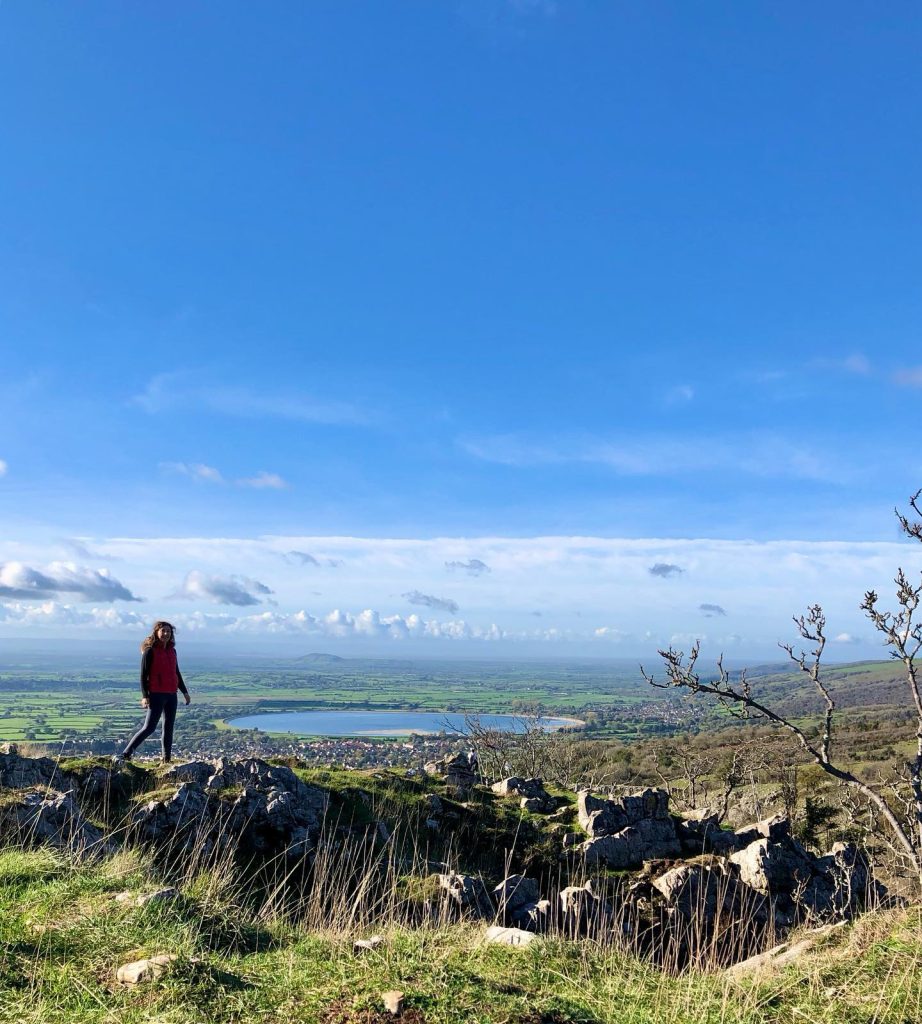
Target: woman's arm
146,659
182,686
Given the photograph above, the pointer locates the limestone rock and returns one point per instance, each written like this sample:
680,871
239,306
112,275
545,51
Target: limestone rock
144,970
777,828
850,876
704,835
165,895
191,771
55,819
606,817
514,892
17,772
533,917
581,910
459,770
649,839
704,892
514,786
274,810
467,893
781,955
772,868
537,804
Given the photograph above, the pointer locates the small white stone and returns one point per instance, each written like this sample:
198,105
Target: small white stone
509,936
393,1002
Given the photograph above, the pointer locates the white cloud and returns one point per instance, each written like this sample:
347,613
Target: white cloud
366,624
195,471
24,582
610,633
760,455
910,376
665,570
264,480
857,363
169,390
83,550
430,601
234,590
52,613
473,567
202,622
3,467
202,473
580,584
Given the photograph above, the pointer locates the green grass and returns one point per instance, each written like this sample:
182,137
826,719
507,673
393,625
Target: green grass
63,935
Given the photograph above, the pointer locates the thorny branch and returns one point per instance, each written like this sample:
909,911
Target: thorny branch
810,627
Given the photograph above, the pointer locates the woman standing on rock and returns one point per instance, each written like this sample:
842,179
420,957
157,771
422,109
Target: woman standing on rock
160,680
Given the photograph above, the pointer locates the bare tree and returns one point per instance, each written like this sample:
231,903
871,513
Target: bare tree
503,752
690,770
901,632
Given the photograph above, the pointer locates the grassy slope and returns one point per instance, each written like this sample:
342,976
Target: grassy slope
62,936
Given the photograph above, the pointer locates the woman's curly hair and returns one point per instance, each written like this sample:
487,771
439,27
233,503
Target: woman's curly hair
149,641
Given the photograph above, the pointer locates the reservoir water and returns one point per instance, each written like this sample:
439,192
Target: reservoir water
381,723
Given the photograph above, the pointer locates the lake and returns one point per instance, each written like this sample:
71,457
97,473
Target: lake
380,723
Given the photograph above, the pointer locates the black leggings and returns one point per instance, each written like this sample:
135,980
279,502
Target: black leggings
160,704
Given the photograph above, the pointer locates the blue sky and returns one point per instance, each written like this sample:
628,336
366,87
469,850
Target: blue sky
399,285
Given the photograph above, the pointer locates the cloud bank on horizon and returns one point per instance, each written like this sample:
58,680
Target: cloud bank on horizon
592,595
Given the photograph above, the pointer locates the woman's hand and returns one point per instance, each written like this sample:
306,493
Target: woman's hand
145,703
188,698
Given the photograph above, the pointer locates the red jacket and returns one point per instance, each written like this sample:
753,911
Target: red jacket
160,671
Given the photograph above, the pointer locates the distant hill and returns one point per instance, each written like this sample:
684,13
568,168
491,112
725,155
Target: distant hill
320,659
865,685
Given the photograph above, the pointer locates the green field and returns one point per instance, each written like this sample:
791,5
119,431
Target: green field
40,703
46,706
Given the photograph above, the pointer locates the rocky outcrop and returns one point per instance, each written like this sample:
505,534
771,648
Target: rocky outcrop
18,772
251,803
706,892
601,817
531,794
804,887
459,770
624,833
53,819
518,901
629,848
732,892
